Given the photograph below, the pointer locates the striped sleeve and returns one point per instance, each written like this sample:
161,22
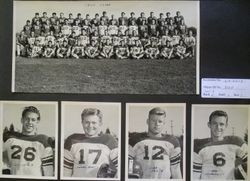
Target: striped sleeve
48,160
113,157
242,152
68,162
197,163
175,156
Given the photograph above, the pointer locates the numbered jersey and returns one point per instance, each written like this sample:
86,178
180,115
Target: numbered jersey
66,30
155,155
26,155
216,160
84,155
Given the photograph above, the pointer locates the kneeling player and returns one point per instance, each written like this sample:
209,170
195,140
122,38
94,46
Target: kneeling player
92,50
167,50
180,50
122,51
35,50
78,51
64,50
152,52
137,51
107,50
28,153
49,50
91,153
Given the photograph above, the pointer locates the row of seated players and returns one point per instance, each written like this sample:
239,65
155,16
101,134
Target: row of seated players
151,25
107,46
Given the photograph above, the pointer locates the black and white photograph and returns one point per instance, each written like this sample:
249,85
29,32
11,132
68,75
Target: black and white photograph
107,47
90,141
155,142
220,142
29,139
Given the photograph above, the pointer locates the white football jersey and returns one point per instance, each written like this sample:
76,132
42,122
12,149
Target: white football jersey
76,29
66,29
216,160
26,155
84,155
156,155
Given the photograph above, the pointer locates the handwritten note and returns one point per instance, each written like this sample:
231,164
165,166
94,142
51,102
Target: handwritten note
225,88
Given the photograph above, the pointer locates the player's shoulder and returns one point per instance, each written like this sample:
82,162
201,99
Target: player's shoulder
171,139
108,140
137,137
234,140
72,139
200,143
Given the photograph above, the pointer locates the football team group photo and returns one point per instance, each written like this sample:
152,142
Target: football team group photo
110,40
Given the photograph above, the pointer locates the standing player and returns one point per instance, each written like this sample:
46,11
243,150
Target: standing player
56,28
85,154
44,18
214,157
37,28
35,19
71,20
27,28
123,19
190,43
141,19
159,154
28,153
178,18
151,18
21,43
61,19
53,19
104,18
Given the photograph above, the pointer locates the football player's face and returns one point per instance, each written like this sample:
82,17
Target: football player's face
30,123
156,124
217,126
91,125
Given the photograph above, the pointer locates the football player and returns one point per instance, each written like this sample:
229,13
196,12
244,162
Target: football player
152,28
95,38
141,19
21,42
87,20
152,18
123,28
28,153
56,28
178,18
72,39
180,50
27,28
46,27
83,38
66,28
123,19
35,19
95,20
159,154
137,51
182,27
102,28
168,18
31,39
171,26
37,28
71,20
122,51
78,20
78,50
44,18
53,19
132,28
51,38
41,39
112,28
85,154
166,50
63,51
92,50
104,18
161,20
61,19
142,28
152,51
175,38
49,50
133,38
76,28
35,51
113,20
116,39
86,27
132,18
190,43
144,39
107,50
214,157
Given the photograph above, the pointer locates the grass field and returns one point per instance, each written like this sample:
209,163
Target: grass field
105,76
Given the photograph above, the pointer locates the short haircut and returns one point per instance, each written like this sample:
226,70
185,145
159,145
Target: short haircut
218,113
91,112
157,111
31,109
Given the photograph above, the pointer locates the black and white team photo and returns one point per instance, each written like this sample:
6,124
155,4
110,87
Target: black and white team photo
156,143
117,43
91,136
220,142
29,145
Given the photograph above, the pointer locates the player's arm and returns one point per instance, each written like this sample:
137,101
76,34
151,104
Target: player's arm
197,166
175,161
73,54
48,162
68,163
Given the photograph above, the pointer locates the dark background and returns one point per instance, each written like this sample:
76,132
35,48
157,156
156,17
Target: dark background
224,53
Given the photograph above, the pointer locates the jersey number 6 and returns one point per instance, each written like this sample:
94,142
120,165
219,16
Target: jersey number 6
218,159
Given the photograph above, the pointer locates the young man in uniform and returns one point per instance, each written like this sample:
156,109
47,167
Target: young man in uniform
137,51
214,157
158,154
63,51
78,50
28,153
92,50
85,154
49,50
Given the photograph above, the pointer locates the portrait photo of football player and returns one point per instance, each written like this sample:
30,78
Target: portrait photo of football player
29,145
91,141
220,134
155,141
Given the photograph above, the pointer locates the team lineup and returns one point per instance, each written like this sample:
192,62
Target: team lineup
91,152
105,37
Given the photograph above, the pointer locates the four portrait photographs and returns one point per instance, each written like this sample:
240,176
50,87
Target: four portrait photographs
115,48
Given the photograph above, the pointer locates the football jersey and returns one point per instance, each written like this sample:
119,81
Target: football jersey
181,49
216,160
122,29
136,50
27,29
37,30
31,40
133,28
116,40
71,21
78,49
156,155
64,49
175,39
27,154
43,19
107,48
50,38
46,28
166,49
48,50
36,50
66,30
61,20
189,41
102,29
56,29
53,20
112,30
83,39
41,40
84,155
152,30
76,29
